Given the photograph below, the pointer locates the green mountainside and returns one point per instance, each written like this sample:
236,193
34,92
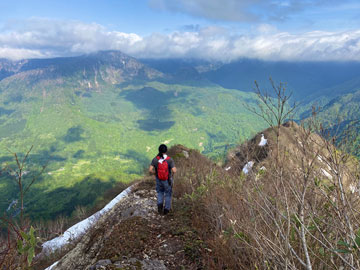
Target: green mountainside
307,80
8,68
341,116
97,119
338,110
331,86
343,107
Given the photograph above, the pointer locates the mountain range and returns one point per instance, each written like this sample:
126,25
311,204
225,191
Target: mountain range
97,119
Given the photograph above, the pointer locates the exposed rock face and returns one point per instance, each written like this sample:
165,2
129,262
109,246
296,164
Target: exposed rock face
8,67
295,145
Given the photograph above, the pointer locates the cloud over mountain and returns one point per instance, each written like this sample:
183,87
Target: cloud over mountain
48,38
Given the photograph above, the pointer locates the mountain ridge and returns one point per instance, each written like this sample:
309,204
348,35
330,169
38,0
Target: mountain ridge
94,127
119,67
204,221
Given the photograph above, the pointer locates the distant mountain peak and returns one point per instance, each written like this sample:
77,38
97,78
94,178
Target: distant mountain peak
108,66
108,53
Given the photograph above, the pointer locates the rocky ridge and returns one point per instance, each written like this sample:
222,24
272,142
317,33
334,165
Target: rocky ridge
197,236
92,70
134,236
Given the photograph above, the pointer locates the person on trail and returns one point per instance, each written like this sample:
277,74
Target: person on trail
164,171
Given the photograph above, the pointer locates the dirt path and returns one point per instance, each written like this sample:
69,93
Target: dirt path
134,236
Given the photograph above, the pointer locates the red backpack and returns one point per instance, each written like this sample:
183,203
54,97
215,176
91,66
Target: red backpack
163,169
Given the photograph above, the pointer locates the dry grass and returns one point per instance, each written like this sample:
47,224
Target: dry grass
289,216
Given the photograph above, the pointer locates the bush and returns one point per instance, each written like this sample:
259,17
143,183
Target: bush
301,212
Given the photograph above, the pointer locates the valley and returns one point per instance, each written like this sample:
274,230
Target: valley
99,123
97,119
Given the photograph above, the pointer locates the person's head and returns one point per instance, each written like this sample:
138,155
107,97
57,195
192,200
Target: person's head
162,150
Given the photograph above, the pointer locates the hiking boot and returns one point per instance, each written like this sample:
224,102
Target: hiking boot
166,211
160,208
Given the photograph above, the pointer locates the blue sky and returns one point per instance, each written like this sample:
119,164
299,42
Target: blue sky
211,29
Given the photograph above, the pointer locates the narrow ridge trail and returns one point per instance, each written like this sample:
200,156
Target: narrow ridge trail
134,236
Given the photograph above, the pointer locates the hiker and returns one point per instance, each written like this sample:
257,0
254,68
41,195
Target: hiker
164,171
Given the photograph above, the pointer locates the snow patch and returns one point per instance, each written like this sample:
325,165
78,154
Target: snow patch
328,175
263,141
321,159
352,188
248,166
80,228
52,266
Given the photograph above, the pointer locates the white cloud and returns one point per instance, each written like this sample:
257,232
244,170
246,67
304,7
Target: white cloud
17,54
39,38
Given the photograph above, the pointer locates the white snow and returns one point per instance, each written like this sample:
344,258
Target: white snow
247,167
228,168
328,175
352,188
320,158
52,266
80,228
263,141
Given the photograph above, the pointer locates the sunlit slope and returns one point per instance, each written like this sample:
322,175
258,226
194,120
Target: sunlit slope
94,127
342,114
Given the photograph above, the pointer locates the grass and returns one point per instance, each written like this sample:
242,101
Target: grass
109,134
245,217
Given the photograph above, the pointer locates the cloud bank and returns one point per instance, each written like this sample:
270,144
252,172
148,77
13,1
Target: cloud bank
42,38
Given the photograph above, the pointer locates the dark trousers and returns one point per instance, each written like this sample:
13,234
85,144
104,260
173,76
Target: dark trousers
164,192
